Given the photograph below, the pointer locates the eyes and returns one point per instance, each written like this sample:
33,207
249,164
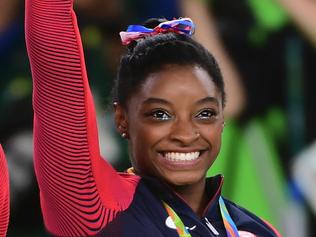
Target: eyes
163,115
206,114
160,115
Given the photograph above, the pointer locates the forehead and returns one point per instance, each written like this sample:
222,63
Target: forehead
179,79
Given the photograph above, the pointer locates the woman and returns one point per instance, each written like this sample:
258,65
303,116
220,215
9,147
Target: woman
4,194
168,102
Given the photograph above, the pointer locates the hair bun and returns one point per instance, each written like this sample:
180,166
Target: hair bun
130,47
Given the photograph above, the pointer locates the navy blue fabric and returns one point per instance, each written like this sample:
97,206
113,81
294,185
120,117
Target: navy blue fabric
147,216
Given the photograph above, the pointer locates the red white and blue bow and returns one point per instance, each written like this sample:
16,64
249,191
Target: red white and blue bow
135,32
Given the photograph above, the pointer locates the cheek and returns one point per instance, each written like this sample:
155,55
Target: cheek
213,134
144,138
150,134
143,144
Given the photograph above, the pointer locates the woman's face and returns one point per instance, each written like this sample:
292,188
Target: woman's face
174,123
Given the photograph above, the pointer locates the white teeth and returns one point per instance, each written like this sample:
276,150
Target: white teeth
176,156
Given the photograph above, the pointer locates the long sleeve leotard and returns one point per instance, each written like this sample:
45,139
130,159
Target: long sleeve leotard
80,193
4,194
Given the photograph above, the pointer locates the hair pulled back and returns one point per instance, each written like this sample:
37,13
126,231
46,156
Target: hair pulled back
151,54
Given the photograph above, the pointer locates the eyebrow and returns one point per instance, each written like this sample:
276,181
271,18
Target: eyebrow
152,100
208,99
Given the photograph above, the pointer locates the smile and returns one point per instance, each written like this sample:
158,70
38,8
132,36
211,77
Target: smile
177,156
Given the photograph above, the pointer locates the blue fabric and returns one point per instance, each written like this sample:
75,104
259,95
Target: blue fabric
147,216
139,28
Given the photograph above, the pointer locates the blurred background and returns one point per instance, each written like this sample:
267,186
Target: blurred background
267,52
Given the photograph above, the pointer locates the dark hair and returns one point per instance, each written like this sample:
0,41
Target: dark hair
150,54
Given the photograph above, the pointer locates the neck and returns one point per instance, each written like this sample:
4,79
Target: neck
194,195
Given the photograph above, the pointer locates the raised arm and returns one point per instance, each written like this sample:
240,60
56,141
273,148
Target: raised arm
303,14
4,195
80,192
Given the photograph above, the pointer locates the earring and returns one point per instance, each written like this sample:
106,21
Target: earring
124,135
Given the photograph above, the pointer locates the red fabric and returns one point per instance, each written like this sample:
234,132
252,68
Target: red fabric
4,195
80,192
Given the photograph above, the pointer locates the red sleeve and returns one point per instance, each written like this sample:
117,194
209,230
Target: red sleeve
80,192
4,195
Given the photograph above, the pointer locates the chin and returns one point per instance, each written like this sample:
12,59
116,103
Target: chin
184,179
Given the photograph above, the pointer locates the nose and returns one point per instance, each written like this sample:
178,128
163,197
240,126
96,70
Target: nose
184,132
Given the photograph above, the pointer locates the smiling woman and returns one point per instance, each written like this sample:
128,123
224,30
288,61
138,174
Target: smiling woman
175,128
168,100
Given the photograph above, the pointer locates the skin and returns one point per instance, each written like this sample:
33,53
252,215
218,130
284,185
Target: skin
302,13
177,109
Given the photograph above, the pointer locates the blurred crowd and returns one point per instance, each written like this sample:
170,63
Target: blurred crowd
267,52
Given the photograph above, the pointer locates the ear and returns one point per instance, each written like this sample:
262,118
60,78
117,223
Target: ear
120,118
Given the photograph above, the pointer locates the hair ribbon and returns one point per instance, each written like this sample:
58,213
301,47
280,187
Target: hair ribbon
135,32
